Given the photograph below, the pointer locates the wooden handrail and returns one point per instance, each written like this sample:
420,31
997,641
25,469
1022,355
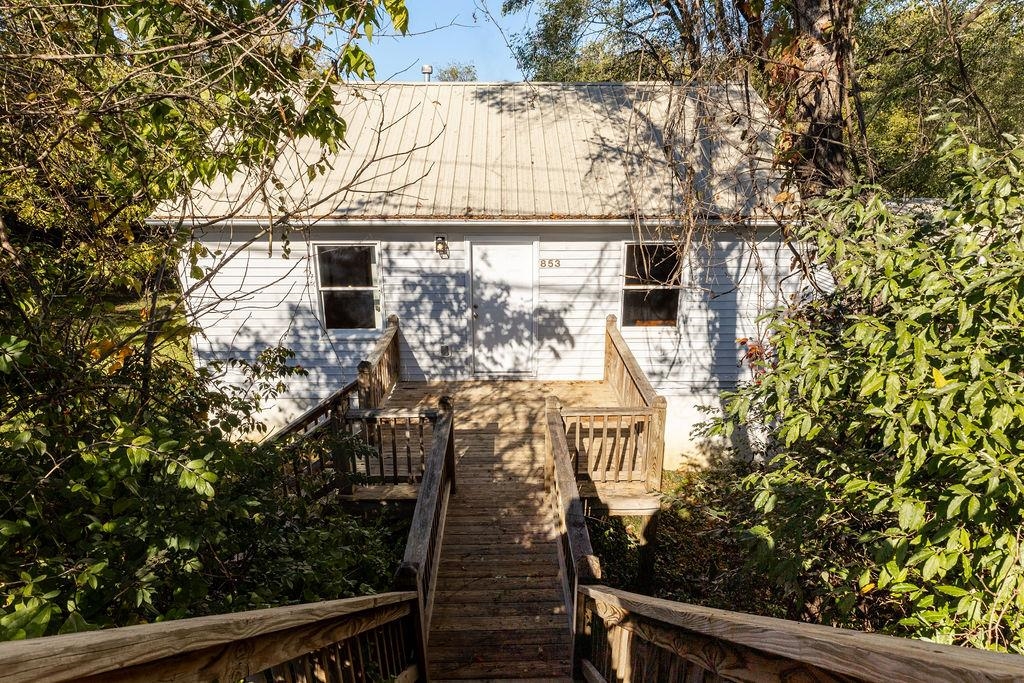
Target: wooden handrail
222,647
630,383
418,571
386,349
576,558
376,375
316,417
635,374
616,625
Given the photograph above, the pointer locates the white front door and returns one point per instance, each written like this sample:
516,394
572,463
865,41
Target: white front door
502,274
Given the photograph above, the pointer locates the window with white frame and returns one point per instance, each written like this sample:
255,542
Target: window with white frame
651,284
348,282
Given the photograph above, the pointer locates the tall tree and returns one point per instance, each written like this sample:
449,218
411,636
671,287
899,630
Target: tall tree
851,83
108,447
797,53
457,72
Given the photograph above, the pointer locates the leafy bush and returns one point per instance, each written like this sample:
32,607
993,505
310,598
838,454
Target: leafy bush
108,522
894,498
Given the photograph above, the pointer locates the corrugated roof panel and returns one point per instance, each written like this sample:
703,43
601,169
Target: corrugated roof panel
522,150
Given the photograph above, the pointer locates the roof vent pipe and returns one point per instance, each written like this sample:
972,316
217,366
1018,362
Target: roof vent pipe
426,70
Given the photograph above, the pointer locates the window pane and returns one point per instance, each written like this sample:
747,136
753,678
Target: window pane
652,264
650,308
349,309
346,266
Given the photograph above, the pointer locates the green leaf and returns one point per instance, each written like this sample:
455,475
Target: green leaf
911,515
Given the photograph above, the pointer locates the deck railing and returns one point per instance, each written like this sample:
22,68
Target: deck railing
628,637
631,385
358,639
398,441
624,443
376,378
378,374
576,559
423,549
610,444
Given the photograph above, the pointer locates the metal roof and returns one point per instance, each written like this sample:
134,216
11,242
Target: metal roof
521,151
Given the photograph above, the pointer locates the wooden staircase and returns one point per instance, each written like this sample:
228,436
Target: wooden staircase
499,610
499,580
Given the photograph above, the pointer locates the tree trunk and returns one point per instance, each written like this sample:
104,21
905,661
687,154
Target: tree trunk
821,159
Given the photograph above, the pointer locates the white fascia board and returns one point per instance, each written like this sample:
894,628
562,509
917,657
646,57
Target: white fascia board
249,223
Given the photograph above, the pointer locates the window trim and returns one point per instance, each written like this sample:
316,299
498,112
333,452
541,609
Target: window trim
623,287
376,275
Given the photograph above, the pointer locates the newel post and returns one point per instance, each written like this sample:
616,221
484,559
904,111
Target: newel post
656,445
552,406
610,323
365,384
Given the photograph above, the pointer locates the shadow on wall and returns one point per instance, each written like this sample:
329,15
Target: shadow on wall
433,307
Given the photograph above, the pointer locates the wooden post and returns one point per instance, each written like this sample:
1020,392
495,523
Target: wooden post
648,550
448,406
610,323
365,383
656,445
396,361
551,404
409,577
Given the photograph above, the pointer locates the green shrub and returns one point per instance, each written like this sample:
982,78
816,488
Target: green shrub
895,404
109,522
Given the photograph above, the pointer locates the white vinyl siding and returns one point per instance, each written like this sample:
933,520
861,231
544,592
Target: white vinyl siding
262,299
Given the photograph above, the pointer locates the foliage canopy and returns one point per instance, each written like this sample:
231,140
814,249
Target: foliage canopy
125,493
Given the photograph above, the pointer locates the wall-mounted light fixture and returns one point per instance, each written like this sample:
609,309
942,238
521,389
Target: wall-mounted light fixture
441,245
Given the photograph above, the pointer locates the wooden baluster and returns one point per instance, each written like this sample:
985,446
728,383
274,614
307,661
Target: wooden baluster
616,455
602,445
593,457
379,439
577,465
626,466
368,439
364,383
423,456
394,450
408,449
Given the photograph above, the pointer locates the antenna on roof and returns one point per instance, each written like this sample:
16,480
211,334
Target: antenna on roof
426,70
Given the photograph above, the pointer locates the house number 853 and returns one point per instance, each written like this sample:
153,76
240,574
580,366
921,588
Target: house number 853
550,263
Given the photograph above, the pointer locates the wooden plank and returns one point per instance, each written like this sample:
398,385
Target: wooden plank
81,655
500,621
486,671
590,672
391,414
842,651
514,593
571,506
629,363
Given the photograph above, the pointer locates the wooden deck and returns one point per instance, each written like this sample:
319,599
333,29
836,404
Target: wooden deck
499,611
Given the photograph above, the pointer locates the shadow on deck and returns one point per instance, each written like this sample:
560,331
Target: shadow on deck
607,451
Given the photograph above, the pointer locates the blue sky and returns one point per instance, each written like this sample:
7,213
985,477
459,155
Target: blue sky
446,31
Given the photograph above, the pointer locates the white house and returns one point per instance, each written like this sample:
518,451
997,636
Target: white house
502,224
